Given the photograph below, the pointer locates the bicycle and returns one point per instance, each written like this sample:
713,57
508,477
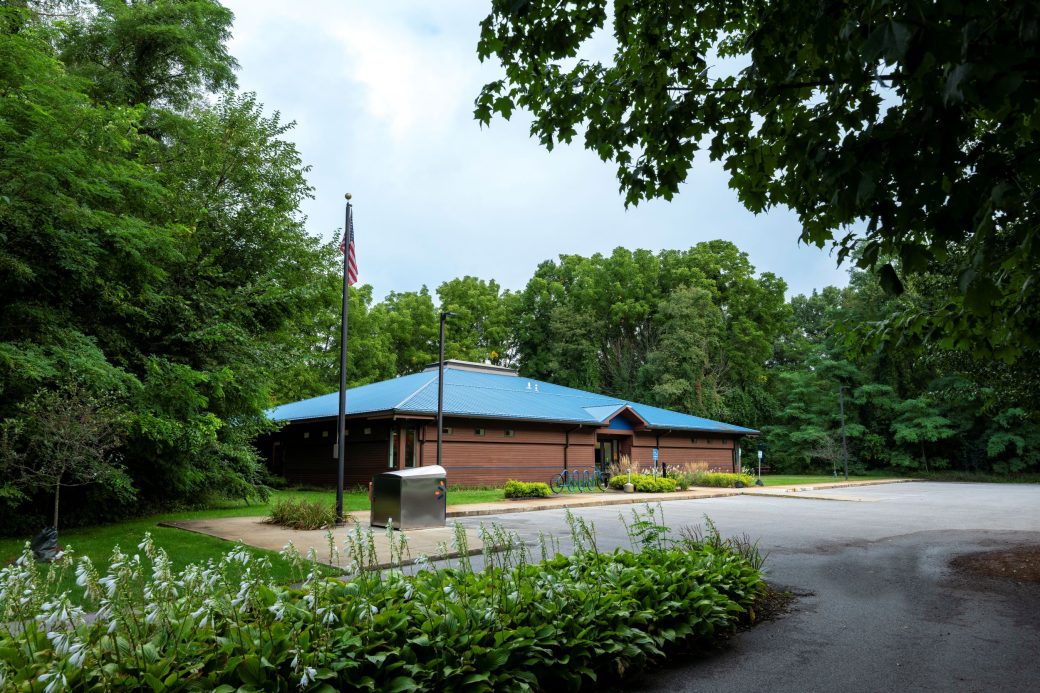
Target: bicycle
578,481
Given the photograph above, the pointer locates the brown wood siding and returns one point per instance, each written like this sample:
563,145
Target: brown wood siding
309,460
535,451
697,451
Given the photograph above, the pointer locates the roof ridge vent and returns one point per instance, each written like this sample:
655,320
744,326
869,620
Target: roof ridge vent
536,387
528,385
472,366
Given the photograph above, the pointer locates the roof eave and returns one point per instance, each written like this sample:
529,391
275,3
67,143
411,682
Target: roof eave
390,413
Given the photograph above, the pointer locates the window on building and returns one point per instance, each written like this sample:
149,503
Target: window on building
478,431
367,431
306,435
510,433
447,430
411,450
324,434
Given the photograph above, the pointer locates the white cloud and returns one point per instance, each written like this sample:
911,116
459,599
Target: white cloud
383,93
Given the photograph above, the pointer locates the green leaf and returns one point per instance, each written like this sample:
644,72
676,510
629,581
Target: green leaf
889,280
399,684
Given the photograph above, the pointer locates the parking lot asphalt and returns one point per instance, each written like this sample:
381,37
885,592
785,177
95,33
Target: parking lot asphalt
879,608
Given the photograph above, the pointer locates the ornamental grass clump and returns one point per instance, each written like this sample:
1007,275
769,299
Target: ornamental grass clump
683,474
302,514
722,479
226,624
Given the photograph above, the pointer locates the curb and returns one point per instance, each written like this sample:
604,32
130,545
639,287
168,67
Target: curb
465,511
477,510
844,484
404,563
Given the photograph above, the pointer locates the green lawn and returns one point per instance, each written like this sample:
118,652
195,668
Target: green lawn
795,479
188,547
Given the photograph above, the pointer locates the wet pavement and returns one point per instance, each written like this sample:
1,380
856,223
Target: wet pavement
881,608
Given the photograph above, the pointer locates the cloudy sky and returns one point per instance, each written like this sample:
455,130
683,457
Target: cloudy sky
382,95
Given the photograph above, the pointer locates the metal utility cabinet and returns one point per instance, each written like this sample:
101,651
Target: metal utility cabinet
410,498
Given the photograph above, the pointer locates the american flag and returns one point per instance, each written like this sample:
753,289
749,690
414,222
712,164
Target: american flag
347,246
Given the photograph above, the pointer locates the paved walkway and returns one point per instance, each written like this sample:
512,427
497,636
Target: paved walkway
253,531
440,542
588,500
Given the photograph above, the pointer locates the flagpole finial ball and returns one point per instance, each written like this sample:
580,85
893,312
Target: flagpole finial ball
348,196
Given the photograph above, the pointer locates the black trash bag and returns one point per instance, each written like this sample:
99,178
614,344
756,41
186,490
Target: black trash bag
45,545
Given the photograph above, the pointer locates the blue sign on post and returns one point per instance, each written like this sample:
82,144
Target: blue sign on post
655,454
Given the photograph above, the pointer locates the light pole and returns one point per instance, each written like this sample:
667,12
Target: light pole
844,445
440,389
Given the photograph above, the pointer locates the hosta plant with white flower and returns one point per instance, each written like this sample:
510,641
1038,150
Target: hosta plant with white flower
227,624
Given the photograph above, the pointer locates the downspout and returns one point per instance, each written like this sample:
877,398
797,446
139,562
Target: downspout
422,443
567,442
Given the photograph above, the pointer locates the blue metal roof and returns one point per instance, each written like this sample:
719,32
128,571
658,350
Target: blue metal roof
495,396
604,412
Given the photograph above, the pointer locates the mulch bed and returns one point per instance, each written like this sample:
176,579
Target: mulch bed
1021,564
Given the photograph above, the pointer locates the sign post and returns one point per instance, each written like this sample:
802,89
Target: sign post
655,461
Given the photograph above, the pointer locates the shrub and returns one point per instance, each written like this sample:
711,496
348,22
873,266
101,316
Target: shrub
644,483
722,479
682,478
525,489
225,625
302,514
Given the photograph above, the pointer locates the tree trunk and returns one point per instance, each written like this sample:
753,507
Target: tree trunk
924,457
57,495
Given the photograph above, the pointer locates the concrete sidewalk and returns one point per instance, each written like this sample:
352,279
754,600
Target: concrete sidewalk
589,500
253,531
438,542
580,500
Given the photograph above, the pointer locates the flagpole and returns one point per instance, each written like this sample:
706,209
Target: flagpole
341,419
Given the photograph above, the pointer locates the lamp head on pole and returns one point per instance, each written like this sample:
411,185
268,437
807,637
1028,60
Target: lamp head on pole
348,196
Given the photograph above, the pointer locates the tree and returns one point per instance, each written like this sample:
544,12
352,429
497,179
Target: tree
63,438
150,239
77,256
480,329
370,352
409,320
151,52
807,425
685,371
1013,441
903,133
920,423
597,323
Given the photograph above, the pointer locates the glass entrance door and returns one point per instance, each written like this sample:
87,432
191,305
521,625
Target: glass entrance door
606,455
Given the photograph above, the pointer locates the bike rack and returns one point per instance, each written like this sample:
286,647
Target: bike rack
575,481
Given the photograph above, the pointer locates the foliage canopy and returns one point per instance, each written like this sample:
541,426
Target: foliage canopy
906,134
149,237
